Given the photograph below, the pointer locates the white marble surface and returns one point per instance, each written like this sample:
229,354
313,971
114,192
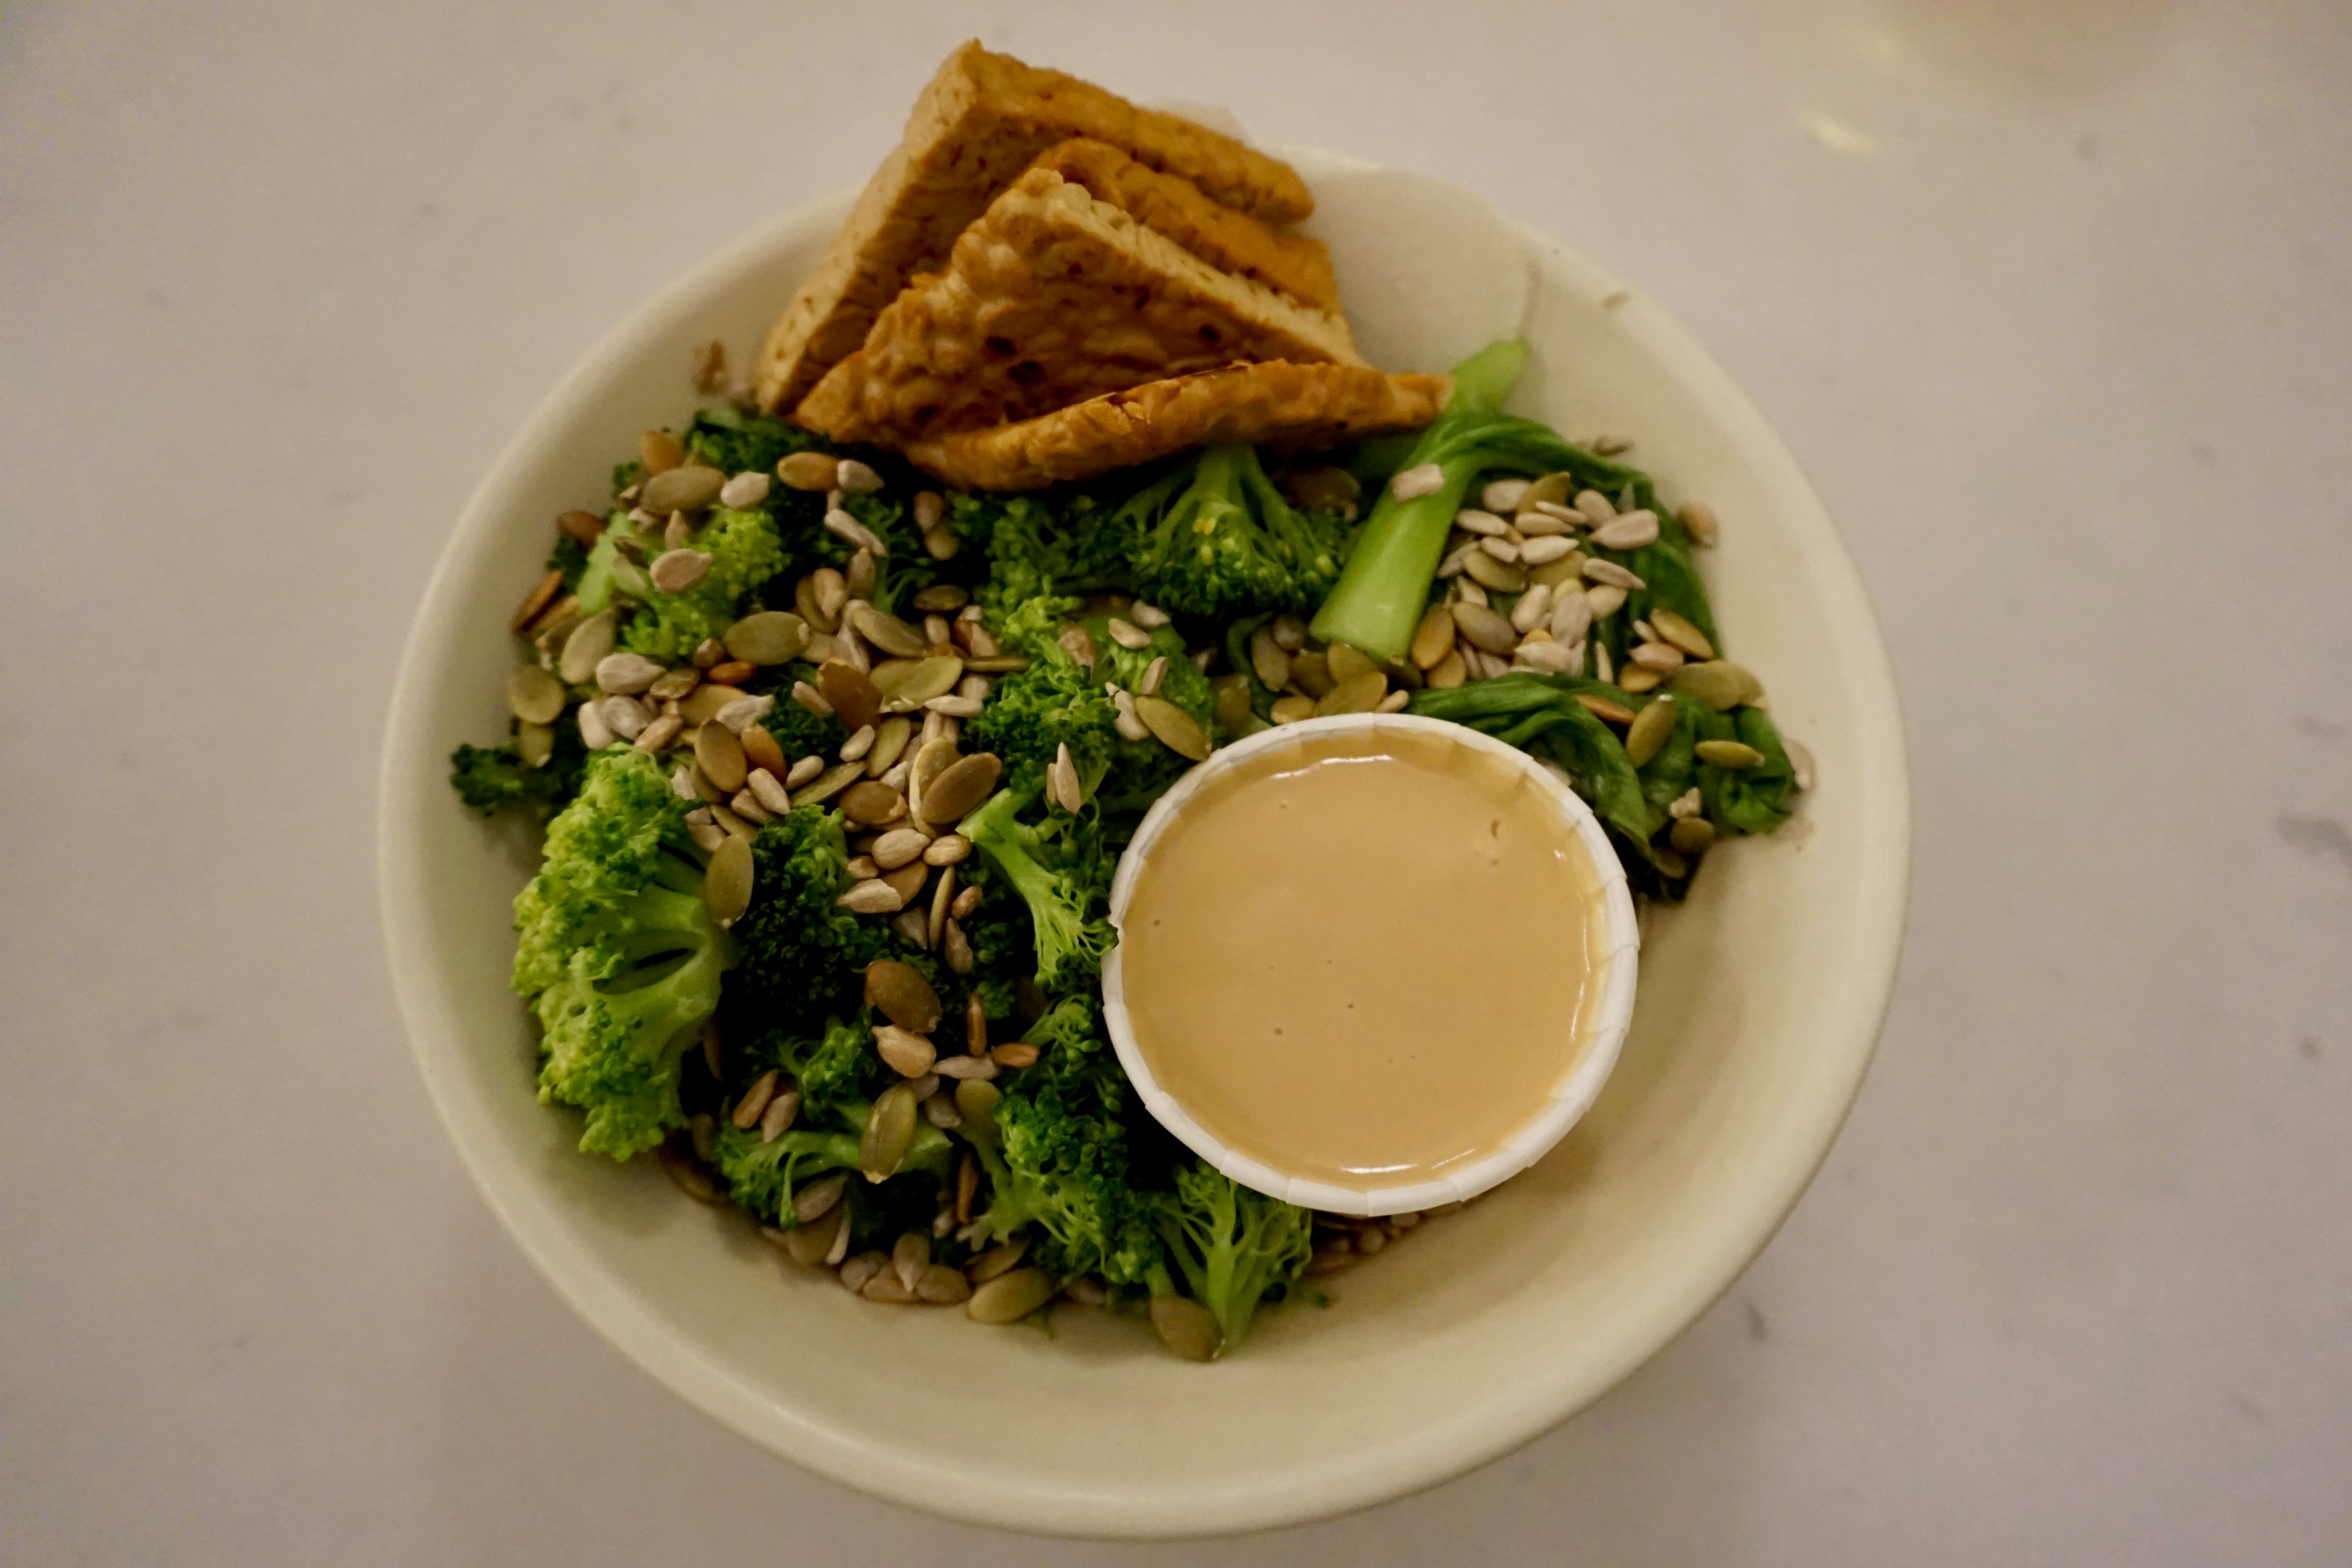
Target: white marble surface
2054,299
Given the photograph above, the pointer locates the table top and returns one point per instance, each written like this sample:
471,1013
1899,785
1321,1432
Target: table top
2053,300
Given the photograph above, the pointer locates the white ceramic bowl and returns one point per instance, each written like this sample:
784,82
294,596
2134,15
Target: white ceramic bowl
1603,1026
1761,998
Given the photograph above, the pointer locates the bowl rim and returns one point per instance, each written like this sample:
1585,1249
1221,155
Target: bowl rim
1745,1223
1603,1026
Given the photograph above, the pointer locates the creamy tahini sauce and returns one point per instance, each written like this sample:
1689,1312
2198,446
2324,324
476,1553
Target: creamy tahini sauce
1364,956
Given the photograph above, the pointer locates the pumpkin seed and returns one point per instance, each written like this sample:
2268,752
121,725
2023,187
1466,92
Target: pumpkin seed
761,752
1639,678
727,880
1310,671
701,705
1433,638
684,489
590,641
1482,568
1698,520
533,695
1551,487
1186,1327
943,598
941,1285
1485,628
582,528
1269,659
1691,834
1176,730
1733,754
890,744
957,791
954,946
808,1243
1449,672
1602,708
1356,694
888,633
1346,662
1010,1297
1675,629
861,1270
889,1128
851,692
1231,708
688,1174
828,783
534,744
767,636
871,801
809,471
719,755
909,683
659,452
1014,1055
1557,575
1719,683
902,995
1291,709
1651,728
975,1101
535,603
998,1259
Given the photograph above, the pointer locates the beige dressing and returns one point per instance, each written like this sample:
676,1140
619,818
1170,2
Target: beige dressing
1364,958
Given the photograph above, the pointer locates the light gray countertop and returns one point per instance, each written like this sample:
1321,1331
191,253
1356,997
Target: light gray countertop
2055,302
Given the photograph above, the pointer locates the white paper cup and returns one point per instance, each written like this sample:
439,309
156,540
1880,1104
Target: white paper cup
1602,1025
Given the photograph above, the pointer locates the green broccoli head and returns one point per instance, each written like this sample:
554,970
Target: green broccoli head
745,552
1034,712
1055,1150
1034,550
762,1176
1217,539
803,957
1061,871
618,955
490,778
1233,1247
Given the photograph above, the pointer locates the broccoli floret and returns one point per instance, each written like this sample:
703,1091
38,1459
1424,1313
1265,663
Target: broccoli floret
570,559
1061,871
735,442
745,552
1217,539
489,778
1233,1247
1055,1152
618,955
1034,550
762,1176
1035,711
803,956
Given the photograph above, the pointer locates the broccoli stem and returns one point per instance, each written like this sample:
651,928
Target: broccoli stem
1380,596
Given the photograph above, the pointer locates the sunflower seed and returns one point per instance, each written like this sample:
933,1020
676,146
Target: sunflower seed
897,846
1456,560
1632,531
1062,781
624,716
1551,658
940,1112
872,897
954,946
965,1068
1534,609
1698,520
707,834
1690,802
908,1053
1604,601
535,602
861,1270
1503,495
659,734
1595,505
1147,616
1609,575
1422,479
853,476
1467,592
1502,550
1571,616
745,710
861,537
941,1286
627,674
1546,522
1128,634
1153,674
675,571
1470,519
779,1115
1657,656
1075,641
1126,721
1537,552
